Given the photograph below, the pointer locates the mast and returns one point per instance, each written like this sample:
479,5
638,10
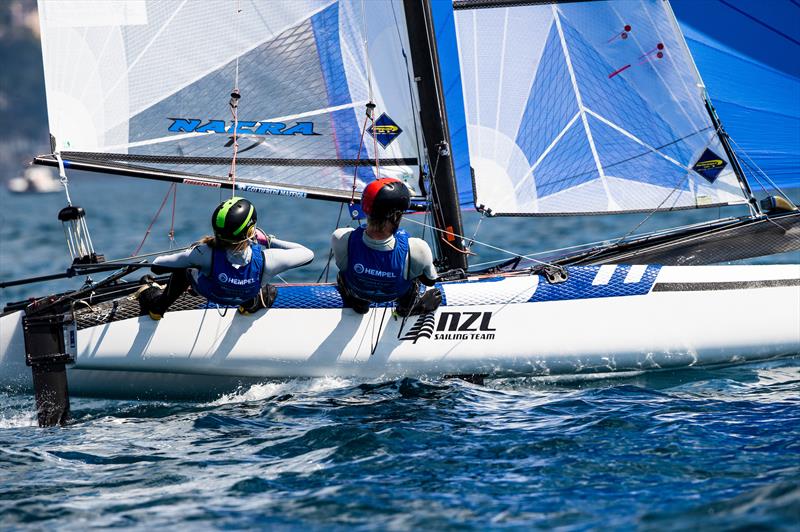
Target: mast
425,62
737,169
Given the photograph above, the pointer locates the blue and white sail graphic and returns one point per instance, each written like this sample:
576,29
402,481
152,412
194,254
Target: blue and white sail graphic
146,84
748,53
587,107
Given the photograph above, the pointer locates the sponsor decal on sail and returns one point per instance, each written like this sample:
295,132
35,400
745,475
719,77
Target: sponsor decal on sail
709,165
452,326
243,127
201,183
385,130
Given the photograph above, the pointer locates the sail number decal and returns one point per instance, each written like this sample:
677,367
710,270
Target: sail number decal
452,326
243,127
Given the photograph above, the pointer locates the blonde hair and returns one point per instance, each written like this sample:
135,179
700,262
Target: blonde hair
238,247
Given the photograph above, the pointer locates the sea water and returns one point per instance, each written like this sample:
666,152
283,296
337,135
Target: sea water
715,448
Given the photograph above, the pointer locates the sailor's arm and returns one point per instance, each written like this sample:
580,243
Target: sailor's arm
420,262
283,255
196,257
339,241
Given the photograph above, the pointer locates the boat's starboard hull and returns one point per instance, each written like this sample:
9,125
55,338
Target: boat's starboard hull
602,319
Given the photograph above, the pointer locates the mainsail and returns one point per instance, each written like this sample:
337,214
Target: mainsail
141,87
586,108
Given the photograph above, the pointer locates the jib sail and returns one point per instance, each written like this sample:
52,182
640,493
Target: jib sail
585,108
141,87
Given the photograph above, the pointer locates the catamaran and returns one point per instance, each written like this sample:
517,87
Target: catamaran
571,108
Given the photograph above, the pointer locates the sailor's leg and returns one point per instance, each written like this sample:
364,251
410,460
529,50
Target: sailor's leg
264,299
412,303
361,306
156,301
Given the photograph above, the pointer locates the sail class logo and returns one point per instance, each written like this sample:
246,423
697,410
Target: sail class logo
709,165
243,127
384,130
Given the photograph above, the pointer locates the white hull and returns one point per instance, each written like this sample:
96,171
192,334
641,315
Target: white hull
603,319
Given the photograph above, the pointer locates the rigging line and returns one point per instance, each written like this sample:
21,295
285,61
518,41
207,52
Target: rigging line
475,234
142,256
172,223
766,176
414,109
63,176
358,158
327,267
377,338
375,144
643,221
366,48
658,207
768,218
153,221
506,251
234,102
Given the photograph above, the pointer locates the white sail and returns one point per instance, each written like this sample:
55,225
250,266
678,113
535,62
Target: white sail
145,84
586,107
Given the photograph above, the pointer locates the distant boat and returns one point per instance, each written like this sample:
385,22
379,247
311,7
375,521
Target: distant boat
36,179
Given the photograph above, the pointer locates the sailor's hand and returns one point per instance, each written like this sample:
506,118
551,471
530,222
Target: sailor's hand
263,238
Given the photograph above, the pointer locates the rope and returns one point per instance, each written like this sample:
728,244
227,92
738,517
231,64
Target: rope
506,251
754,164
63,177
172,222
326,270
153,221
234,104
366,47
358,156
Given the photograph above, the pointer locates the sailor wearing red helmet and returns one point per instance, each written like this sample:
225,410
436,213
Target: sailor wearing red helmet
380,262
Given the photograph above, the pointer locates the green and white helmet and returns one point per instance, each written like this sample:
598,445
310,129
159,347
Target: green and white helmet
233,219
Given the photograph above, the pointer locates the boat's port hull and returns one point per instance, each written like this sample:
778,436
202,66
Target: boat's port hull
604,319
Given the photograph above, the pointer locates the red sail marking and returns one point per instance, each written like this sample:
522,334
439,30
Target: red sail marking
626,67
621,35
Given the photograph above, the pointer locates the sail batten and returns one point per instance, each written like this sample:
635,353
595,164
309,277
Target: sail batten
606,115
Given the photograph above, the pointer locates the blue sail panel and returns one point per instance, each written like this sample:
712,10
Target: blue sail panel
748,54
551,103
619,68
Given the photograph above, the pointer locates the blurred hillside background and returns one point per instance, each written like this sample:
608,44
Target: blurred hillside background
23,110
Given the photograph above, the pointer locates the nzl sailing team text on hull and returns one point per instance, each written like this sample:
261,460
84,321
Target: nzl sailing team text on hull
601,319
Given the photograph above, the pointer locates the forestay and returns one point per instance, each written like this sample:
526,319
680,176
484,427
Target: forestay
144,85
586,107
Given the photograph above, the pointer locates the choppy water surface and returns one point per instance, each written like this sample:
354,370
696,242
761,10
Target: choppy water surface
719,447
714,448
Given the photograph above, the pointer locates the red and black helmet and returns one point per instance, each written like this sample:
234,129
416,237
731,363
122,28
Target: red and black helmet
385,196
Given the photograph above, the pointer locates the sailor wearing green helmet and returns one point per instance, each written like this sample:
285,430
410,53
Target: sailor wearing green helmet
233,267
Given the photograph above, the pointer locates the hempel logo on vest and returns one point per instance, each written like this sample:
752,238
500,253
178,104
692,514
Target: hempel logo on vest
452,326
223,278
360,268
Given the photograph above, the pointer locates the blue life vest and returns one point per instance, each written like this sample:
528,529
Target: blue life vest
228,285
374,275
